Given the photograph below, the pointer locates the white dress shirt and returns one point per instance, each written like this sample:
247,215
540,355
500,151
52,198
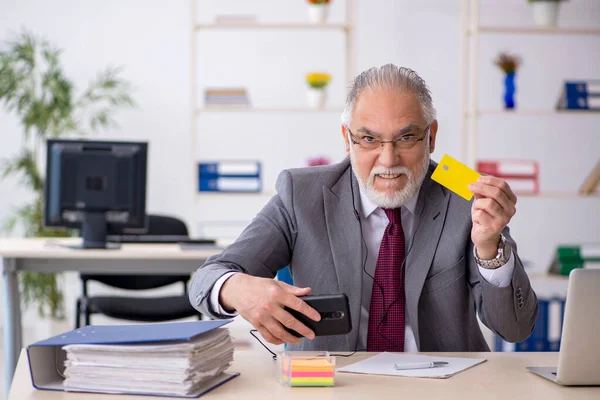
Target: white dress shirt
374,222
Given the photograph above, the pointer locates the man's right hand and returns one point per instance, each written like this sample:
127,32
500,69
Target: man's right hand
261,302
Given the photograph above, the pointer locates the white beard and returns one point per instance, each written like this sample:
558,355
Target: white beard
399,198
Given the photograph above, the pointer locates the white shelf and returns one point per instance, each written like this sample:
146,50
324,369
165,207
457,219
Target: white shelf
532,113
249,25
218,109
534,30
252,194
559,195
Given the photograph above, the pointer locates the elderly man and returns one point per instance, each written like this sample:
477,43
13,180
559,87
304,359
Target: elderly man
416,261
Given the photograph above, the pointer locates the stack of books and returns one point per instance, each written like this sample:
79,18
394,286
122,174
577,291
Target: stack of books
226,97
167,359
237,176
235,19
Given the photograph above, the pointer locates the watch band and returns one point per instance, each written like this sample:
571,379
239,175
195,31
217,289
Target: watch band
501,258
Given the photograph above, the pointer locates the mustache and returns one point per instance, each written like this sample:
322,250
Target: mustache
389,171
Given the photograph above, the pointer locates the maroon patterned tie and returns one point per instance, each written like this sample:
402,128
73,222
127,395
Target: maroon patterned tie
386,314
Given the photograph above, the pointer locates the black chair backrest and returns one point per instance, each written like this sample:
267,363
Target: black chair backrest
157,225
162,225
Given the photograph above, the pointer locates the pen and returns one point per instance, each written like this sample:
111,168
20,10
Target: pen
421,365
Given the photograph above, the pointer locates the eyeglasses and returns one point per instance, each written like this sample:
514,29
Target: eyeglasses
407,141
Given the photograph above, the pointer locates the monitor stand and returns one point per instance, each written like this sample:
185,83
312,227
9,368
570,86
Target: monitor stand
93,232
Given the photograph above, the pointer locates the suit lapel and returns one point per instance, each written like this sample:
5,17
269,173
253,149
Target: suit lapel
429,217
346,246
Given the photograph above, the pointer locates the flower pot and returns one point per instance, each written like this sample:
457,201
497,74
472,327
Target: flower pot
317,13
545,13
316,98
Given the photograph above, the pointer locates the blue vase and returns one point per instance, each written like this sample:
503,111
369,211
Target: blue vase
509,90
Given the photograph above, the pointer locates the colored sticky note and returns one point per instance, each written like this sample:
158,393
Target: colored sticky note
309,372
456,176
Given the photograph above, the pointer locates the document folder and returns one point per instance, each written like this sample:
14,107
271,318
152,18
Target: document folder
46,358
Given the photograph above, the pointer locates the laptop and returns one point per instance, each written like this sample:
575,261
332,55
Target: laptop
579,356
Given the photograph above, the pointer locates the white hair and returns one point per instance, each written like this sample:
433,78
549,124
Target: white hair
389,76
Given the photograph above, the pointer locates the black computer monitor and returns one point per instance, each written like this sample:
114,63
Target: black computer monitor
95,186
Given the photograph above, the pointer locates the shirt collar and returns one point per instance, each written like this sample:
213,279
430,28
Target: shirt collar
368,207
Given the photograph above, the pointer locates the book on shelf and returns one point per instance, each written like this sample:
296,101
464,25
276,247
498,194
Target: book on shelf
591,182
231,185
235,19
230,168
580,95
181,359
521,175
568,257
226,97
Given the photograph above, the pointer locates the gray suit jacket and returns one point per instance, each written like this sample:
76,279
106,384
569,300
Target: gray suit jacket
310,225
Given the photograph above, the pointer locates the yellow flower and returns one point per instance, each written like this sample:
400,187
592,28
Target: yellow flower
318,80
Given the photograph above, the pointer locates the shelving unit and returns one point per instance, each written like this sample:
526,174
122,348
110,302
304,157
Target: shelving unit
559,195
265,110
533,238
228,25
346,27
471,113
533,113
517,30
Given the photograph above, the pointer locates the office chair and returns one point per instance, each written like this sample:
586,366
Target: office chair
144,309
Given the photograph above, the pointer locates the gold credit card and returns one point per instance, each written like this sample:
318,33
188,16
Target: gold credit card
456,176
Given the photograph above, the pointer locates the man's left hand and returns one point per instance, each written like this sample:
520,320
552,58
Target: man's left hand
492,210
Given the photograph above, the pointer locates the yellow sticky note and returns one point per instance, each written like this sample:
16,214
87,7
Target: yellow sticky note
456,176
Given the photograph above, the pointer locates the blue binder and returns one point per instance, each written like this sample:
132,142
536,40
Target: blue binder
233,169
580,95
538,340
555,320
230,184
46,358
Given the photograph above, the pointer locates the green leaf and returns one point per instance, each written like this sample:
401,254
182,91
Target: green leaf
33,86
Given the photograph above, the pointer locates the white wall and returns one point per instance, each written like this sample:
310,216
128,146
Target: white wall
151,38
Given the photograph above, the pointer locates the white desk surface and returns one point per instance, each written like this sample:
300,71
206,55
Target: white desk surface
503,377
55,248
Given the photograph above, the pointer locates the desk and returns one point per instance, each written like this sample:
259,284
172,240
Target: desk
502,377
52,255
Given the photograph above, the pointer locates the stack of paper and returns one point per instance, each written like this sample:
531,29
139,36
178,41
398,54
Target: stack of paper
385,364
176,368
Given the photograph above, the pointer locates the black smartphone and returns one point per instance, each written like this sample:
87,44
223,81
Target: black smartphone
335,315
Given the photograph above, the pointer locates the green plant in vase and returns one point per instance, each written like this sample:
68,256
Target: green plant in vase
34,88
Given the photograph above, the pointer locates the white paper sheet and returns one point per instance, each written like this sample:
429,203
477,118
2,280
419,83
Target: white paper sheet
383,364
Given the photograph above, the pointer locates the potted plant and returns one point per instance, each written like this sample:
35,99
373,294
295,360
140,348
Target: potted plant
33,86
508,64
318,11
317,84
545,12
